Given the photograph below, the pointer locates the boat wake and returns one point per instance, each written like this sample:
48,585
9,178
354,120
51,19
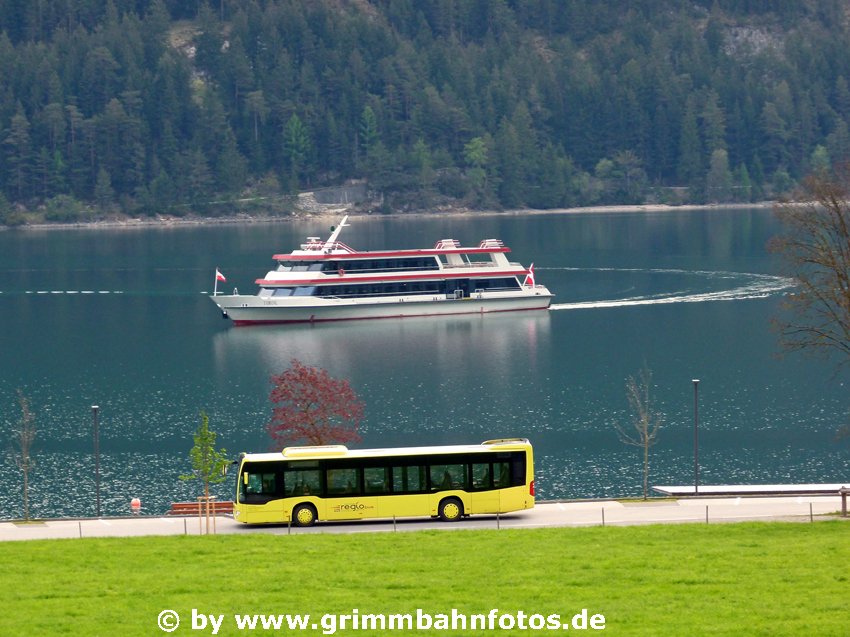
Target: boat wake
73,292
749,286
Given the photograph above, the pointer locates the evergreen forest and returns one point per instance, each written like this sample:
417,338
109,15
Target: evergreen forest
211,107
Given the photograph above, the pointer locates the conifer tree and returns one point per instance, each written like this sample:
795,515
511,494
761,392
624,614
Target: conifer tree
718,182
689,169
19,154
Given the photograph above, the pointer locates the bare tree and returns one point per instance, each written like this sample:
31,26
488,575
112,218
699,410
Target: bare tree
816,249
22,440
645,421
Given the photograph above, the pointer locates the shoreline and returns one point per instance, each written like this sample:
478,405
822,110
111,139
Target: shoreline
336,211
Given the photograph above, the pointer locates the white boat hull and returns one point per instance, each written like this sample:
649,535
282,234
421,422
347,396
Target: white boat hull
246,310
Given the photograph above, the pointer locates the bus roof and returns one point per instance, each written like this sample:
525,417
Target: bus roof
340,451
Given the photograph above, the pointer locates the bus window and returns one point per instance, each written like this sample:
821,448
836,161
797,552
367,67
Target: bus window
448,476
302,482
259,487
255,484
502,474
517,469
481,476
343,482
376,479
408,479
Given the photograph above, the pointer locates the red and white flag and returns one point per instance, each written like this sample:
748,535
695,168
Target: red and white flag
529,278
219,276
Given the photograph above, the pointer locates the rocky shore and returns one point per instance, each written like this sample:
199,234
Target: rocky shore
311,209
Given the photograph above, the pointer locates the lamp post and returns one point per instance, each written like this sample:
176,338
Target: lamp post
696,436
94,410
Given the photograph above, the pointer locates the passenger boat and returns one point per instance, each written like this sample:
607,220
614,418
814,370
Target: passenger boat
329,281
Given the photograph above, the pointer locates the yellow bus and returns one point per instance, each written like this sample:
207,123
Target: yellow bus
304,484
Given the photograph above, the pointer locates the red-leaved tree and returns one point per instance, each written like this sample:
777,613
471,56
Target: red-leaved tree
312,408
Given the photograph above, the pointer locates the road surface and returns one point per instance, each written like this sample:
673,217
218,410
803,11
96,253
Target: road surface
547,514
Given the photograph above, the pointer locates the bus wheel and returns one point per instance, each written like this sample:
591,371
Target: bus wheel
304,515
451,510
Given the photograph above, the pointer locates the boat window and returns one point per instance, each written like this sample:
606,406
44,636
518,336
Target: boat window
304,290
282,292
384,265
265,292
314,267
380,289
507,283
478,259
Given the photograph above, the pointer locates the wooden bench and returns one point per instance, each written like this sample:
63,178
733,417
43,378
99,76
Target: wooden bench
199,508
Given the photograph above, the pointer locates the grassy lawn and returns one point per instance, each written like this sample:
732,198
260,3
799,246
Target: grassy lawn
733,579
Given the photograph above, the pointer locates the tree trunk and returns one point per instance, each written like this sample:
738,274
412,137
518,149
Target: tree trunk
207,503
26,497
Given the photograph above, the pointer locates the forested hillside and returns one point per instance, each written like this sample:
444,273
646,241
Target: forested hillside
173,107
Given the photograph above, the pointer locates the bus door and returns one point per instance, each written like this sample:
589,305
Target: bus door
345,499
260,485
410,496
485,496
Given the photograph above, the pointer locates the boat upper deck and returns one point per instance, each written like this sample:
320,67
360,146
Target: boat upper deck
315,250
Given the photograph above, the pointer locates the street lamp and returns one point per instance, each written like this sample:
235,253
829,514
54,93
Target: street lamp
696,436
94,409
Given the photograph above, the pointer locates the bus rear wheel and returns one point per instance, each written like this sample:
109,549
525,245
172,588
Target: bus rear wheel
450,510
304,515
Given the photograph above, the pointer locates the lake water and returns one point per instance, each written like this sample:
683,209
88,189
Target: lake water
119,318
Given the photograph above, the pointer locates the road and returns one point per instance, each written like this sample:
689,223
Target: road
547,514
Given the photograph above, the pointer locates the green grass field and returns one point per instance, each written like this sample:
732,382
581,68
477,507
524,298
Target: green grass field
736,579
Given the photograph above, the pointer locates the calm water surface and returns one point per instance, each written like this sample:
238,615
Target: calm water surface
119,318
